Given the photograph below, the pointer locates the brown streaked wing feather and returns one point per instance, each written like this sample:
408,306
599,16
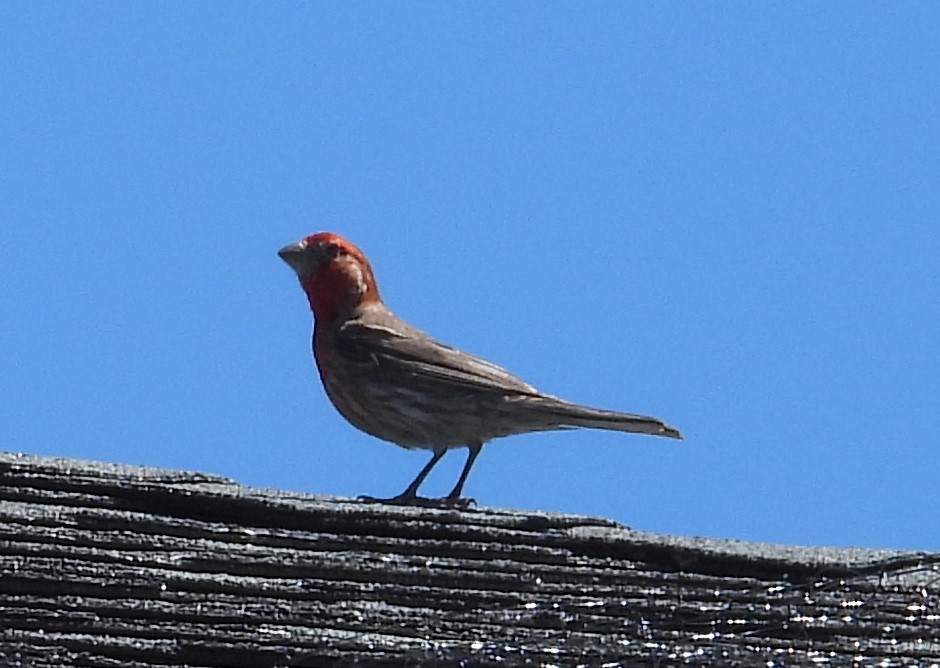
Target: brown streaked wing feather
398,349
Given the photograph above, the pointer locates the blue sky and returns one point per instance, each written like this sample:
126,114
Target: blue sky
721,214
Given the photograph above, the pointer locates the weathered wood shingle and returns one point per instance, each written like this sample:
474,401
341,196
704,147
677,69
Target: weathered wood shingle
119,566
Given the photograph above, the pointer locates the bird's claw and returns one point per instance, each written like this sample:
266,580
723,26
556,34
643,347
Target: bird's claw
457,502
422,501
397,500
400,500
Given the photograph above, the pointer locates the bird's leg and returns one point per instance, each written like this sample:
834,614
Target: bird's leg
411,493
454,497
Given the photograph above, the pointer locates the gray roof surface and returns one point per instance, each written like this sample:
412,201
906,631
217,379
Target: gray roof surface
123,566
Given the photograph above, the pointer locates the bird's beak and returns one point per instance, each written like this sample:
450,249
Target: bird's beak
295,255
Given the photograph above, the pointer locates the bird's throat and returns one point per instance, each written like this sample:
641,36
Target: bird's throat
337,289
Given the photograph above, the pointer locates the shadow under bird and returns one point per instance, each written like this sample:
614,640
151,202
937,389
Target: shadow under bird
397,383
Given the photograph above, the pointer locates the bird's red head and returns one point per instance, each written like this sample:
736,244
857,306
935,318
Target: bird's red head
335,274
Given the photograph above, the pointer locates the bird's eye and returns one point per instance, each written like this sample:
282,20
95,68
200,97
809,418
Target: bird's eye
331,251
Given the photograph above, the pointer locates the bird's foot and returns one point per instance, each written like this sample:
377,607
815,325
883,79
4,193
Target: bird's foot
422,501
456,502
400,500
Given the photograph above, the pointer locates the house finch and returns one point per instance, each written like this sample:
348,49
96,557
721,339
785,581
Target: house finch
396,383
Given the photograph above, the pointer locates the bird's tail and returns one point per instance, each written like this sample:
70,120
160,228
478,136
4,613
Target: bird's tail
573,415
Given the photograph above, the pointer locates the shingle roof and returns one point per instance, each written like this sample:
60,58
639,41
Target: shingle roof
121,566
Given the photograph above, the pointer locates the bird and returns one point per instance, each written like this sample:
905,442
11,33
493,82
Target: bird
398,384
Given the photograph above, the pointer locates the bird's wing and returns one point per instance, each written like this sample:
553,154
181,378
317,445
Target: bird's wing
398,353
400,350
